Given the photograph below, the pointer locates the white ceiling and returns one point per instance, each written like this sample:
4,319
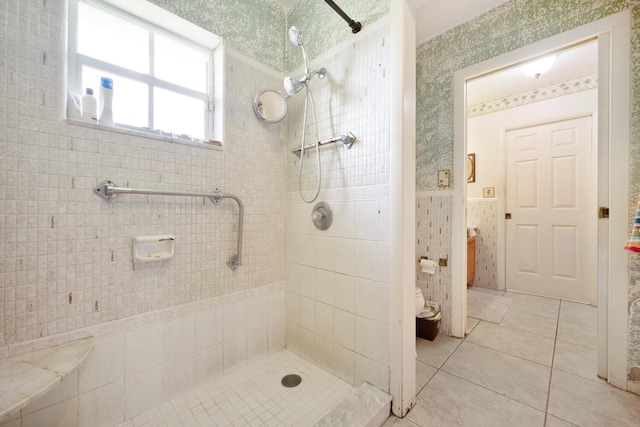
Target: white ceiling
570,63
435,17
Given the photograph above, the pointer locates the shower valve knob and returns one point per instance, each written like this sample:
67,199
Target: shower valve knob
322,216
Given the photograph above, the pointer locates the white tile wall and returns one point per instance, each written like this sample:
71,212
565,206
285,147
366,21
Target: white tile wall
324,286
357,80
143,349
344,333
323,356
343,291
483,214
324,320
65,414
66,254
141,362
337,280
208,329
234,353
276,335
433,216
344,363
178,376
101,407
66,265
178,338
143,391
209,365
257,345
104,365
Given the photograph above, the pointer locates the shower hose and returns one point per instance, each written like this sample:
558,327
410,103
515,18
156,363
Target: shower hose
309,97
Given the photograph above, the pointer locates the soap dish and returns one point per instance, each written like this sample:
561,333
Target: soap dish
152,248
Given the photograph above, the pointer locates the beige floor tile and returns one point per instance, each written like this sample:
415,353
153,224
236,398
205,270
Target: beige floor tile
539,325
484,306
471,323
576,360
581,335
588,403
486,290
390,421
424,373
436,352
522,344
532,298
557,422
579,314
399,422
521,380
451,401
540,306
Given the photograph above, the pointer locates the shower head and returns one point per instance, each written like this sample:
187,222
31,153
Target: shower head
293,85
295,36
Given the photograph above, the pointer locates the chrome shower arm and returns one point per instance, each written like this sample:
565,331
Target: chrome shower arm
347,140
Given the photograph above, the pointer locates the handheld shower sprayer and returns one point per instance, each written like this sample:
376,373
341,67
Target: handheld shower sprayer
291,84
296,38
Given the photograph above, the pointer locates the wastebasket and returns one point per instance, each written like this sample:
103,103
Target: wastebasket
427,328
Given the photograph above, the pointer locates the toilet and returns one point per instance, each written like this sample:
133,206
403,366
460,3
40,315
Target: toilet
419,301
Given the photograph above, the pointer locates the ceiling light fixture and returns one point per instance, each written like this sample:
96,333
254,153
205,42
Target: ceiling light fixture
538,67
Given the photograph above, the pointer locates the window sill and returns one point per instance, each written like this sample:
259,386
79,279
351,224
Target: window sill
143,134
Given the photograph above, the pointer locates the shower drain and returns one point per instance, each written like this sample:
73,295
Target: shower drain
291,380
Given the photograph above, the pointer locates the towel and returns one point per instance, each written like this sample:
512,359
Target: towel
633,244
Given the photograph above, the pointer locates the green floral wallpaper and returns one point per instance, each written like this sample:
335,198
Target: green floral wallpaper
258,28
255,28
322,28
512,25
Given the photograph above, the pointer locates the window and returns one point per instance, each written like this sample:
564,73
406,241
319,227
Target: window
166,72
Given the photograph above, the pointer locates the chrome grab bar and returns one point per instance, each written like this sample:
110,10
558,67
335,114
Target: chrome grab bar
108,190
347,140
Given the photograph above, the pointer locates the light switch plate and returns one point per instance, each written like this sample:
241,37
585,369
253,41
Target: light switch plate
444,178
488,192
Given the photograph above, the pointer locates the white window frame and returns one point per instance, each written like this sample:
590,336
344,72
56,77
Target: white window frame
158,20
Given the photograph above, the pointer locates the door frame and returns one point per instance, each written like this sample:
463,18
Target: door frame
614,66
402,204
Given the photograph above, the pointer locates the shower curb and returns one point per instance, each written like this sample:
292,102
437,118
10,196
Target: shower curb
368,407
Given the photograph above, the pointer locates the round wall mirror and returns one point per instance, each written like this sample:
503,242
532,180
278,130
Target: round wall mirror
270,106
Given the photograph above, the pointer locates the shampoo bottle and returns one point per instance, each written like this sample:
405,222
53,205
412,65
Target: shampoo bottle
89,106
106,101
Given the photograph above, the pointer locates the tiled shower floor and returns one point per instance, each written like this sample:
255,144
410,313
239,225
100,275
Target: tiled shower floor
253,396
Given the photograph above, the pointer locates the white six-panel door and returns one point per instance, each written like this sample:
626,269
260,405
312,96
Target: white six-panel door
550,196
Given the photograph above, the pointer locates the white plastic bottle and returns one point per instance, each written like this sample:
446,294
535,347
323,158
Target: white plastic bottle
106,101
89,106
